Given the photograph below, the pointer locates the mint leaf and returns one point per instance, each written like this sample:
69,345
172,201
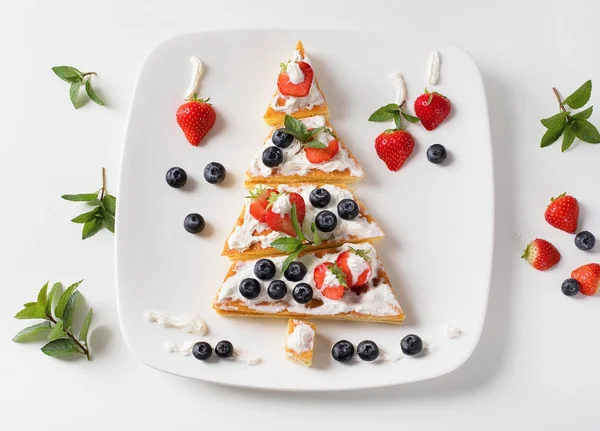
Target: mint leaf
315,144
287,244
409,118
291,257
60,347
586,131
580,97
86,217
316,238
397,120
295,128
583,115
56,288
91,228
385,113
85,327
69,310
28,333
551,136
42,296
68,74
84,197
64,298
568,137
92,94
295,224
110,204
74,94
314,132
557,121
57,332
108,221
33,312
94,202
30,304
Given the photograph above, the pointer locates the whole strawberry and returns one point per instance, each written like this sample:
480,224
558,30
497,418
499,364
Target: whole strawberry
432,109
394,147
588,277
196,117
563,213
541,254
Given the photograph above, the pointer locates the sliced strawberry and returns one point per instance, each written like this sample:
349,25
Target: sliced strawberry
283,222
260,201
297,199
320,155
287,88
342,263
328,291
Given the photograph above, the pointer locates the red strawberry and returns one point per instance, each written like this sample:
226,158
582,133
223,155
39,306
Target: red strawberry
301,89
260,201
196,117
432,109
332,291
342,263
588,277
320,155
541,254
563,213
394,147
283,223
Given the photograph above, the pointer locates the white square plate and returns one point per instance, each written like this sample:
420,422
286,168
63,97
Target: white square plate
438,219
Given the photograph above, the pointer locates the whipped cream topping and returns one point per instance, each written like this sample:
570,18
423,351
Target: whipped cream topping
295,74
282,204
295,161
400,86
196,77
357,265
292,104
451,331
301,339
185,349
191,324
251,231
378,300
433,68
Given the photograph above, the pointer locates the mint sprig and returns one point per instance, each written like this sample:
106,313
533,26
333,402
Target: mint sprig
569,125
58,326
393,111
103,214
298,130
77,79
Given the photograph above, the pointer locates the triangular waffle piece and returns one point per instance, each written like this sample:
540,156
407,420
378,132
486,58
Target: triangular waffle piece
252,238
298,91
372,301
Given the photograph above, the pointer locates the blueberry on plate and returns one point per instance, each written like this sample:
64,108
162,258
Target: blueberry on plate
302,293
281,138
194,223
367,350
224,349
277,289
202,351
326,221
570,287
272,157
264,269
585,240
347,209
295,272
214,172
411,345
176,177
249,288
437,153
319,198
342,351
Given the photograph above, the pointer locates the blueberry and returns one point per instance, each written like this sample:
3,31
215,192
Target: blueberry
585,240
176,177
367,350
326,221
202,351
347,209
272,157
411,345
249,288
436,153
295,272
224,349
302,293
277,289
570,287
194,223
342,351
214,173
319,198
281,138
264,269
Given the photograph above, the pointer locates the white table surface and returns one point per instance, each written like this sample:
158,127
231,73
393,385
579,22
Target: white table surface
537,364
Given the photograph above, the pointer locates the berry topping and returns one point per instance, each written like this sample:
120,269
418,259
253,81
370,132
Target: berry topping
354,261
264,269
196,117
541,254
300,89
411,345
249,288
214,173
295,271
437,154
570,287
563,213
272,157
277,289
302,293
394,147
176,177
202,351
319,198
282,222
347,209
588,277
281,138
432,109
259,202
330,280
194,223
342,351
224,349
321,155
367,350
326,221
585,240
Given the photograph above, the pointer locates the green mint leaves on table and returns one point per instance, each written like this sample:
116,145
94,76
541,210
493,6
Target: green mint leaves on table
78,79
569,125
57,323
298,130
102,214
393,111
